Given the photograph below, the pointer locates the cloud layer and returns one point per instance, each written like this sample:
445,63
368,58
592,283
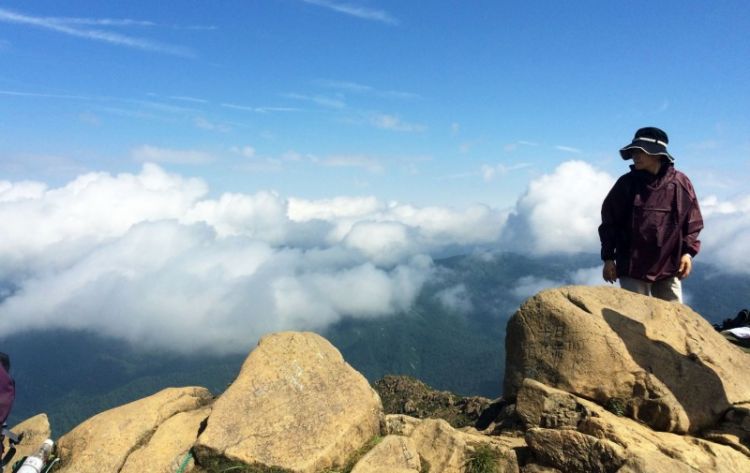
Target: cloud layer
149,258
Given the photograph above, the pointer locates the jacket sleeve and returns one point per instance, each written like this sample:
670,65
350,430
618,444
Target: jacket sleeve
7,394
692,222
614,207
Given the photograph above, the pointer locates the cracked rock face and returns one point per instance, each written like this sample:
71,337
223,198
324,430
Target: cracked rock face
589,438
105,442
654,361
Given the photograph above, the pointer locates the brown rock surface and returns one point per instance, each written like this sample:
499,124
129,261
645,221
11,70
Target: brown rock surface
104,442
35,430
393,454
446,449
659,362
296,405
594,439
167,448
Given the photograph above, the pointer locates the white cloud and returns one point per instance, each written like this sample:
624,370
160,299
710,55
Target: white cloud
205,124
456,298
356,11
394,123
568,149
247,108
245,151
588,276
490,173
148,153
528,286
726,235
510,147
354,87
63,26
366,162
18,191
322,100
301,210
149,258
560,212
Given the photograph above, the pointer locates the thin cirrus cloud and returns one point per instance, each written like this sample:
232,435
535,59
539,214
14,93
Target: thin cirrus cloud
394,123
205,124
148,153
321,100
248,108
490,173
370,164
357,88
71,27
568,149
357,11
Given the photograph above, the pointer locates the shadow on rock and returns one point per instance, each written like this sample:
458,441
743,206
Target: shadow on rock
687,378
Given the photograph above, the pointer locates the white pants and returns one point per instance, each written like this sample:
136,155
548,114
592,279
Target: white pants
669,289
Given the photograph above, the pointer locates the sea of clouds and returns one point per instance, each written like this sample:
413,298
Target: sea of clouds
151,259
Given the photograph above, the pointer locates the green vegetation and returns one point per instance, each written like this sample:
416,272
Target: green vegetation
616,406
483,459
425,464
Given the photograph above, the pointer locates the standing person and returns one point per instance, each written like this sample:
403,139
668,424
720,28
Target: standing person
650,221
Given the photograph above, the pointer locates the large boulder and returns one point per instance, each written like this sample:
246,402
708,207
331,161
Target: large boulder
655,361
572,434
296,405
104,442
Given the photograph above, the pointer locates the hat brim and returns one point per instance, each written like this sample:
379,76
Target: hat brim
648,148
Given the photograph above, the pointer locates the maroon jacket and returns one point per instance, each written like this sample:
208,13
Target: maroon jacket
7,394
650,221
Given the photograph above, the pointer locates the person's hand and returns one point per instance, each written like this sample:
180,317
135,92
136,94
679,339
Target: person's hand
686,265
609,273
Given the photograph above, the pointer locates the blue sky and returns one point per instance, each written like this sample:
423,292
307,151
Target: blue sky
262,165
408,101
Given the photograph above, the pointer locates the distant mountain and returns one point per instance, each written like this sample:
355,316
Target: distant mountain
452,338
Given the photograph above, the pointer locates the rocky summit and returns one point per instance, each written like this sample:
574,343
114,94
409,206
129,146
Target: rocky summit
597,380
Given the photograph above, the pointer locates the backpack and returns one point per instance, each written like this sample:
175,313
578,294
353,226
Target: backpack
741,320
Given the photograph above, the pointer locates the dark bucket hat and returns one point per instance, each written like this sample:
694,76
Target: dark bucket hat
650,140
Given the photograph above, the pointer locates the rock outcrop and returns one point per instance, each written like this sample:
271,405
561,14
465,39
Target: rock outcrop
448,450
657,362
296,405
572,434
33,432
598,381
410,396
105,442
